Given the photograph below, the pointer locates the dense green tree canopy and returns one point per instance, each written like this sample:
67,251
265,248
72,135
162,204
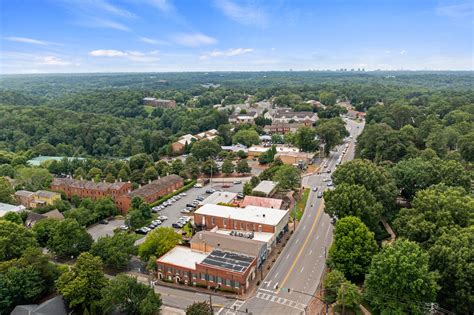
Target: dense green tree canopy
288,177
247,137
68,238
115,250
354,200
435,211
199,308
331,132
6,191
353,248
399,281
125,294
14,240
205,149
81,286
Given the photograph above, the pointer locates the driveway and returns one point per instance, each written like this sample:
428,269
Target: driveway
101,230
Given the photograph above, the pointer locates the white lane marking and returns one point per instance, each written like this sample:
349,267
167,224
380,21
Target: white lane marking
302,268
310,252
304,227
287,256
265,290
268,283
276,275
296,242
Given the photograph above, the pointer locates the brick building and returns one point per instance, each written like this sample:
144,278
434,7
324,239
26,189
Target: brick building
151,101
89,189
282,128
217,269
40,198
248,219
150,192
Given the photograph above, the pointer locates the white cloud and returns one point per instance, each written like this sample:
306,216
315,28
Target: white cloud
107,53
387,51
162,5
227,53
105,23
456,10
27,40
249,15
131,55
153,41
194,39
53,61
403,52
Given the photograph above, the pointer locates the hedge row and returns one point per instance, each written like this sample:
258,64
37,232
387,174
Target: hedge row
166,197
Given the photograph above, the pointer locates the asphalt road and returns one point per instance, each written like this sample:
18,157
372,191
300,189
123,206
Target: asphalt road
302,262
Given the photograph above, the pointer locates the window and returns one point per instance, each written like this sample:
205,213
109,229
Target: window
219,280
224,222
237,285
211,278
227,282
213,221
241,226
203,276
235,225
194,276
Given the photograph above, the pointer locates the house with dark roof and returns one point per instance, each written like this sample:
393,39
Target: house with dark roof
54,306
34,217
288,115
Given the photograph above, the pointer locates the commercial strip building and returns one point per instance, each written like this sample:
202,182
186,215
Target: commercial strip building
288,115
266,188
30,199
219,197
257,150
282,128
249,219
218,268
261,202
292,158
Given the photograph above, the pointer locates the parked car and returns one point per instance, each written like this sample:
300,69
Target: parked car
240,195
185,211
210,191
315,188
326,179
320,194
189,208
329,184
196,202
104,221
123,227
158,222
140,231
236,182
162,218
191,205
151,226
177,225
200,198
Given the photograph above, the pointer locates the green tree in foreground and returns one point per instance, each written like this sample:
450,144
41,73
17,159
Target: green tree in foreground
6,191
452,255
115,250
247,137
353,248
243,167
227,167
13,217
332,282
199,308
44,229
81,286
126,295
69,239
349,295
288,177
14,240
159,242
399,280
353,200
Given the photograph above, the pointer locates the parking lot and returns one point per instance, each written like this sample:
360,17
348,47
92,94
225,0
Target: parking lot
173,212
101,230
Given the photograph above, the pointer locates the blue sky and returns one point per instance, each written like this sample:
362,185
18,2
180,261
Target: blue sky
51,36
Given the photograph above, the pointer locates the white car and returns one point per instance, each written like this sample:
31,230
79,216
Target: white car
326,179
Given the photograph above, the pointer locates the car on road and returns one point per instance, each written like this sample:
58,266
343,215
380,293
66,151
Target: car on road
329,184
104,221
236,182
320,194
326,179
200,198
315,188
240,195
210,191
325,165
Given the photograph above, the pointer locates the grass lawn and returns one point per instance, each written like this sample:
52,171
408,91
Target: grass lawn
301,205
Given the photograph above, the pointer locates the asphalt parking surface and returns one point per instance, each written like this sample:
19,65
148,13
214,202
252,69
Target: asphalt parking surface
101,230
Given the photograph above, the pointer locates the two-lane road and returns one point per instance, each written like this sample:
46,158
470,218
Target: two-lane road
302,261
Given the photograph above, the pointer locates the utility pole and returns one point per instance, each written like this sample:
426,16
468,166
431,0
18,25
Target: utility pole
210,304
343,302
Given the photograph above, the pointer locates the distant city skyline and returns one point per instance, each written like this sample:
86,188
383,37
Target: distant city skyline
72,36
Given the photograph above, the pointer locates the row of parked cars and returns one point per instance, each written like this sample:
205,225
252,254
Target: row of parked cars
181,222
168,202
153,225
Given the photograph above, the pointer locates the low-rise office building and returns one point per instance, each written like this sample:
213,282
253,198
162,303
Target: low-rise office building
217,269
261,202
292,158
282,128
266,188
40,198
219,197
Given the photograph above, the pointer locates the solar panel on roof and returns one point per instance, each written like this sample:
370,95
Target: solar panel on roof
228,260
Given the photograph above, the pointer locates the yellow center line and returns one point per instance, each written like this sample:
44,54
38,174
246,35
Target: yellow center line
303,247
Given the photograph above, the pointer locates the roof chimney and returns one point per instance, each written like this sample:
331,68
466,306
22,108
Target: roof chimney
264,215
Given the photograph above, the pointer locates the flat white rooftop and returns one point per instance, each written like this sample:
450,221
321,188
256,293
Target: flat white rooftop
260,215
265,186
183,257
5,207
219,197
257,236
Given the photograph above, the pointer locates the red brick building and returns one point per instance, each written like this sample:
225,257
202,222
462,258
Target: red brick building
89,189
150,192
218,269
